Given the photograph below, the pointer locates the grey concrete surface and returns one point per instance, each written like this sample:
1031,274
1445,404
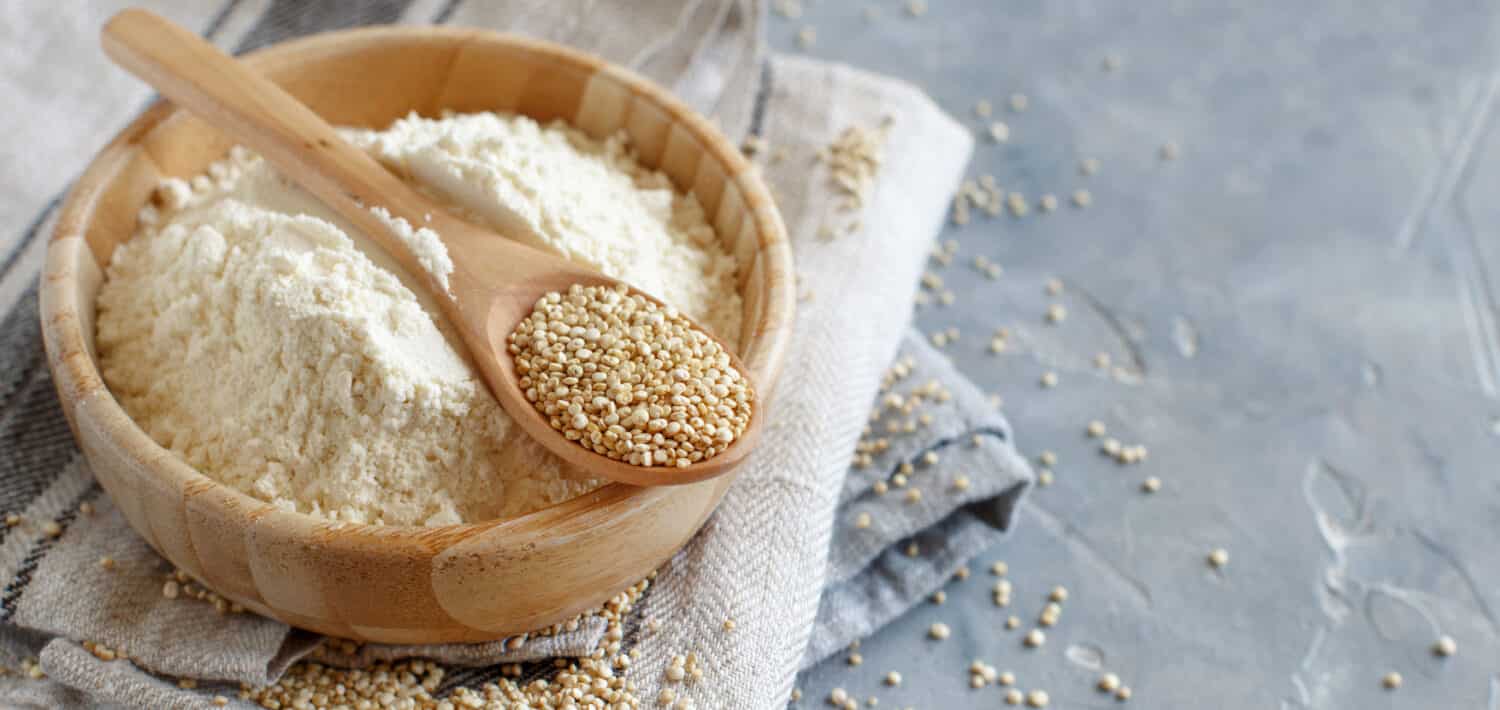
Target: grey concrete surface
1304,306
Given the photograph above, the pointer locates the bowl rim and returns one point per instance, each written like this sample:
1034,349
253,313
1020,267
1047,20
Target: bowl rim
76,370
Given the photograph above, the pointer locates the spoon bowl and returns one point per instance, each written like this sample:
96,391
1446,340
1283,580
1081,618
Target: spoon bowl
494,283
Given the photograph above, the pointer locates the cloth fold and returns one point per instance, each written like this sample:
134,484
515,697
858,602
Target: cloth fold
782,556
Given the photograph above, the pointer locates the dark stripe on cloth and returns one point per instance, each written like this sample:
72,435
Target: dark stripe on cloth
294,18
446,11
17,586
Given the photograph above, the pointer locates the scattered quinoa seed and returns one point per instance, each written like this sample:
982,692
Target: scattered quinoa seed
12,520
999,132
51,528
1049,379
807,37
107,562
983,109
1047,458
729,624
939,597
1095,429
1013,622
1169,150
961,483
1391,681
629,379
913,495
893,679
912,550
1056,313
856,659
1019,102
1054,286
1088,166
862,521
1045,477
1037,699
1059,594
1109,682
1082,198
1014,697
939,631
1047,203
916,8
86,508
1035,638
1445,646
1101,360
962,572
1151,485
1123,693
1218,557
999,569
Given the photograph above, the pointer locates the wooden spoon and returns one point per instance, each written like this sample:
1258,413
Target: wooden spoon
495,281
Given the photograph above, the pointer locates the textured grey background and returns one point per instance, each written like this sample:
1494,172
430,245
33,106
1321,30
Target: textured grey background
1305,302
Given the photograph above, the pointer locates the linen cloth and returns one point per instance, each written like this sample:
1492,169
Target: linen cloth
781,556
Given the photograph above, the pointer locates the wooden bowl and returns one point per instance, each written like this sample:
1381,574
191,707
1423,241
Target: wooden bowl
403,584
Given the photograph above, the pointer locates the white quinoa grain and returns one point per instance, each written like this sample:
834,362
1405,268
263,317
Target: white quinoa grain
962,572
171,589
1391,681
1035,638
1101,360
1088,166
893,678
1059,594
1218,557
1019,102
856,659
1014,697
1045,477
999,569
1169,150
86,508
1152,484
983,109
51,528
1012,622
912,550
1082,198
1109,682
107,562
1047,203
916,8
1037,699
1123,693
807,37
1445,646
939,597
862,521
939,631
999,132
1049,380
961,483
1095,429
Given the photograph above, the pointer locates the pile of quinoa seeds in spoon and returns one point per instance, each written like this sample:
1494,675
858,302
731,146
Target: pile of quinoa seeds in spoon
628,378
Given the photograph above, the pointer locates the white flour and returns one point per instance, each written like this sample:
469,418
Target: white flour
250,330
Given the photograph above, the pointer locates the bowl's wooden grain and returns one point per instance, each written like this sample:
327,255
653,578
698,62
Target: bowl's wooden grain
395,583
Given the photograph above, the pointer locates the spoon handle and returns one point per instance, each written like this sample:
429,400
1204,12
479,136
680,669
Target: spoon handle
257,113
